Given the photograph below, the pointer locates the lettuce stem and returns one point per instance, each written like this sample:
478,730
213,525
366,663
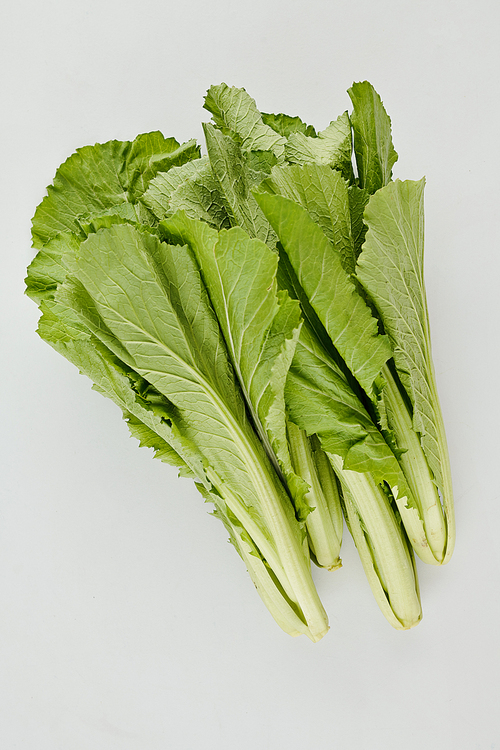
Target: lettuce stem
419,477
279,518
382,545
324,522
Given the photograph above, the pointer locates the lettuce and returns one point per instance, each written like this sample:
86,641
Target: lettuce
132,313
258,314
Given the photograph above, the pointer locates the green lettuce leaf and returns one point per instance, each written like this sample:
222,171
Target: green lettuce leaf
332,147
260,326
324,194
145,301
234,112
416,496
236,179
330,290
375,154
285,125
97,178
63,329
191,188
391,270
334,412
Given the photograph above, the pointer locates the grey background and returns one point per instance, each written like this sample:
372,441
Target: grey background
126,620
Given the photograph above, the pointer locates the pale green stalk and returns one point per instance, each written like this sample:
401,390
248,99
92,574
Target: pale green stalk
419,478
448,502
324,522
275,508
382,546
282,610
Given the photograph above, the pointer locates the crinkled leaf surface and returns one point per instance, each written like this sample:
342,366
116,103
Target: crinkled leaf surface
236,180
375,154
96,178
391,270
260,324
161,188
324,194
235,112
191,188
332,147
285,125
330,290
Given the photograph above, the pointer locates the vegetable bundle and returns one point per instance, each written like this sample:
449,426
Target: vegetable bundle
259,316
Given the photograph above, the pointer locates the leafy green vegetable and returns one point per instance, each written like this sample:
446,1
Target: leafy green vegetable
285,125
236,180
261,328
324,195
172,340
391,270
74,323
259,316
235,112
331,147
330,291
343,224
375,153
101,177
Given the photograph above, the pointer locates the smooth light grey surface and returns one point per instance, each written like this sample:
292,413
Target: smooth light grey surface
126,620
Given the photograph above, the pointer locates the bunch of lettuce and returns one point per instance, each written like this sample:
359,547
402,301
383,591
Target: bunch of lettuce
259,316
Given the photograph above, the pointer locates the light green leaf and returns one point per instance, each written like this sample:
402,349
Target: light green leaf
96,178
61,327
161,188
375,154
235,112
324,194
236,180
58,325
201,198
151,153
321,401
47,270
191,188
285,125
260,326
172,343
391,270
330,290
146,302
332,147
157,424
